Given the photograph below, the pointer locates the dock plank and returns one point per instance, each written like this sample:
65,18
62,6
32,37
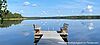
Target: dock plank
51,38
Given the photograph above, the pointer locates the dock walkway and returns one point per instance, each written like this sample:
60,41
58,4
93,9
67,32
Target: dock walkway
51,38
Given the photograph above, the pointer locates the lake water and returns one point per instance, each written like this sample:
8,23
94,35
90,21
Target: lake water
21,32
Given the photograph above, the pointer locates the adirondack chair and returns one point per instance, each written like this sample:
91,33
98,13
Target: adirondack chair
64,29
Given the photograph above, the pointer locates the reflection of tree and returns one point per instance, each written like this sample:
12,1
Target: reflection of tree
8,23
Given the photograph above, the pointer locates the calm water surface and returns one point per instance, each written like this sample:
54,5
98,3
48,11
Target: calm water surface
21,32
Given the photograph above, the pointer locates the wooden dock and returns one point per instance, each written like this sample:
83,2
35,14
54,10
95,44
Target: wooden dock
51,38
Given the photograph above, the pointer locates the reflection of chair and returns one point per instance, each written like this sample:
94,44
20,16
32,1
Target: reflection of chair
37,28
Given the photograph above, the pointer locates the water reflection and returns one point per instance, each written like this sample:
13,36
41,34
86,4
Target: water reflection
8,23
91,26
26,33
23,32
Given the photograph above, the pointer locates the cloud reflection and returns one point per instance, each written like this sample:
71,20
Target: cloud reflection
25,33
91,26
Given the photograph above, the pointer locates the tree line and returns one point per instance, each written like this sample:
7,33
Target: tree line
4,13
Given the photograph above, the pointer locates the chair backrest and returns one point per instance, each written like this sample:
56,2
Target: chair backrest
65,28
36,26
65,25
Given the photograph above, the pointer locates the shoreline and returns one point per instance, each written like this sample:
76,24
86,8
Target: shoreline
63,17
13,18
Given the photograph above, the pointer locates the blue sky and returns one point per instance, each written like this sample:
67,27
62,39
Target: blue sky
31,8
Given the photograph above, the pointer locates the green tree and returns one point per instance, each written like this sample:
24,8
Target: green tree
17,15
3,8
4,13
0,8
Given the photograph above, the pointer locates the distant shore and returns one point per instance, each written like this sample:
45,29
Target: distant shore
56,17
65,17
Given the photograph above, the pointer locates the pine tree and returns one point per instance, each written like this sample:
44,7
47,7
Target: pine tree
0,8
3,8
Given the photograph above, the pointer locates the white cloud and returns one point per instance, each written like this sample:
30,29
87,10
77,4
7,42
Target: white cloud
44,12
34,5
90,10
91,26
26,3
89,7
19,11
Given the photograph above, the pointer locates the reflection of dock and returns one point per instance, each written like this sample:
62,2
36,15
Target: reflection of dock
51,38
